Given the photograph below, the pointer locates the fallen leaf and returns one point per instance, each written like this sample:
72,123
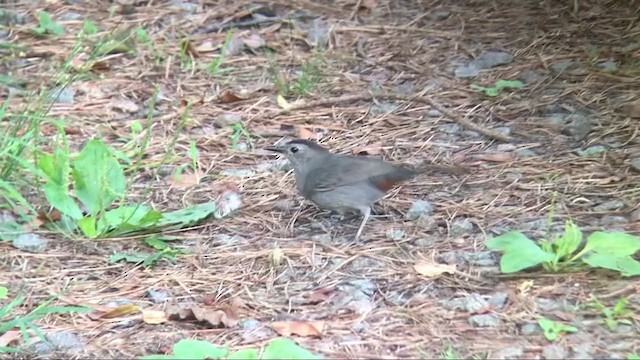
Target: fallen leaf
206,46
175,312
229,96
215,317
125,105
154,317
301,328
632,109
495,157
185,180
433,269
306,134
321,295
254,41
228,201
369,4
371,149
282,102
120,311
10,336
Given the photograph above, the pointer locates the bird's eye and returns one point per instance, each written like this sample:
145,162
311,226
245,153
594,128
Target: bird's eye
294,149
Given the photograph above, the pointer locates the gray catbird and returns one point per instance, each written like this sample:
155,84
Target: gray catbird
340,182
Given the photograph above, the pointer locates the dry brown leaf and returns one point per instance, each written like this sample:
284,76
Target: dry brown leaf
254,41
120,311
185,180
10,336
215,317
125,105
433,269
301,328
322,294
154,317
371,149
632,109
175,312
306,134
206,46
495,157
229,96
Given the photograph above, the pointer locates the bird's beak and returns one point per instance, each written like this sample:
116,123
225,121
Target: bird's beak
278,149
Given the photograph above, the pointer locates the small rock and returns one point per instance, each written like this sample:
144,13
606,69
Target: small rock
625,329
425,242
484,320
554,351
472,303
610,205
591,151
470,134
530,329
635,215
227,239
158,296
450,128
529,76
509,353
426,222
490,59
525,153
322,238
71,16
461,227
540,224
406,88
439,15
223,120
249,324
62,340
505,147
10,18
563,65
30,242
482,258
452,258
582,351
237,172
504,130
434,113
187,7
284,204
361,326
635,164
383,107
549,305
610,220
318,33
579,126
242,146
608,65
498,300
166,170
361,306
418,209
358,288
63,96
466,71
234,47
557,119
395,234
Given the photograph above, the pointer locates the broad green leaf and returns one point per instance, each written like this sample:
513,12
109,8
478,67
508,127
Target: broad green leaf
519,252
553,329
248,354
3,292
198,349
89,28
58,196
492,91
626,265
10,230
614,243
88,227
283,348
47,23
156,243
9,349
569,243
189,215
128,257
98,177
504,84
132,217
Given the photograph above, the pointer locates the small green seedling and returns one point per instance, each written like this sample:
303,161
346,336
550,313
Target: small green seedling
193,154
618,314
46,25
553,330
239,132
609,250
450,354
494,91
89,28
310,75
215,66
164,251
280,348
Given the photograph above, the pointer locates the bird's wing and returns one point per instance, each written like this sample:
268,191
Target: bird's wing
339,172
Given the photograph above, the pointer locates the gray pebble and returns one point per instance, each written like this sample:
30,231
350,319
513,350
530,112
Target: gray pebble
158,296
582,351
383,107
509,353
529,76
165,170
426,222
223,120
434,113
608,65
490,59
563,65
609,220
610,205
71,16
63,96
635,164
505,147
525,153
395,234
450,128
241,146
467,71
187,7
406,88
461,227
418,209
322,238
530,329
595,150
227,239
484,320
249,324
425,242
579,126
62,340
504,130
439,15
452,258
237,172
554,351
498,300
30,242
482,258
470,134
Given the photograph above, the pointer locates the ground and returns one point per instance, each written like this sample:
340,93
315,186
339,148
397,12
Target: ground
393,79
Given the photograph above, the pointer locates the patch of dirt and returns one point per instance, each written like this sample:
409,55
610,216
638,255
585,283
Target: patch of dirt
386,82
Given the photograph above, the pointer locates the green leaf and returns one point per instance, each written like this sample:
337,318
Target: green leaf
89,28
3,292
128,257
283,348
98,177
156,243
614,243
10,230
130,218
492,91
136,127
633,357
552,330
505,84
568,244
519,252
188,215
198,349
248,354
88,227
47,24
58,196
626,265
8,349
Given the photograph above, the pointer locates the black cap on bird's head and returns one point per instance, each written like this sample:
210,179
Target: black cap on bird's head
298,151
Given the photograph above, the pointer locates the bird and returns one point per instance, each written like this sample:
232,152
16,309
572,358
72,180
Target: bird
341,182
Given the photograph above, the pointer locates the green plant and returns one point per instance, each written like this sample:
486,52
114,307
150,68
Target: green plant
164,251
46,25
618,314
609,250
239,132
280,348
495,90
310,75
26,322
215,66
450,354
553,330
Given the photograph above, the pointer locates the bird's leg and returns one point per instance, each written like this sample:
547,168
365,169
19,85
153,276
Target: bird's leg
366,211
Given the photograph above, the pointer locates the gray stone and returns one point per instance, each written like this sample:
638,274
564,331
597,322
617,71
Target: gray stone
582,351
467,71
498,300
241,146
509,353
227,239
530,329
166,170
395,234
547,305
434,113
66,340
461,227
10,18
358,289
472,303
223,120
249,324
418,209
237,172
158,296
450,128
482,258
504,130
63,96
484,320
470,134
452,258
322,238
529,76
30,242
439,15
554,351
505,147
591,151
71,16
608,65
557,119
579,126
234,47
490,59
426,222
635,164
563,65
610,220
406,88
610,205
185,6
425,242
525,153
